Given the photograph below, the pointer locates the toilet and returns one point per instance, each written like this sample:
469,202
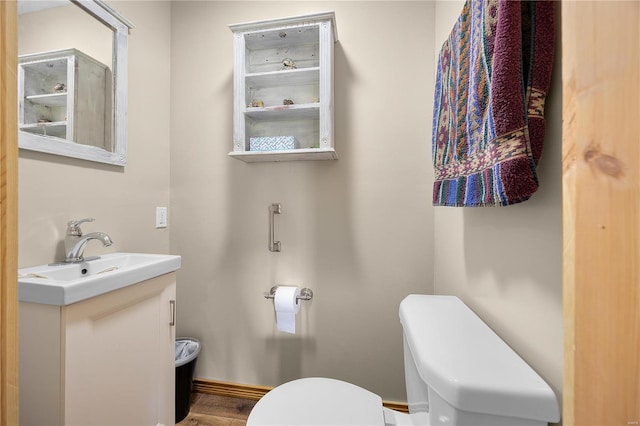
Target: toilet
457,372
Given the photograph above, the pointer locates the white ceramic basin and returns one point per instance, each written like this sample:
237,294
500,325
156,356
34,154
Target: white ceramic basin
65,284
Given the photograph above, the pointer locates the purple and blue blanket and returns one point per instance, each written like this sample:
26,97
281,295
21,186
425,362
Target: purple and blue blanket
493,74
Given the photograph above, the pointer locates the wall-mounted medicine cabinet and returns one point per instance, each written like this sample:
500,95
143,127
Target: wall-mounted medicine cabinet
283,89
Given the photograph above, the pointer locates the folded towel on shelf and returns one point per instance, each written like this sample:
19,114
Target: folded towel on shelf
488,125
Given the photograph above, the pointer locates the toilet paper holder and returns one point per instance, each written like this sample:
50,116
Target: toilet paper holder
305,294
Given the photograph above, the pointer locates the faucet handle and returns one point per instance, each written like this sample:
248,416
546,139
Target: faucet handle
73,226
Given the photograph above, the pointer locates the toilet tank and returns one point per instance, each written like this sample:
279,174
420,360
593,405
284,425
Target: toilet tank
461,372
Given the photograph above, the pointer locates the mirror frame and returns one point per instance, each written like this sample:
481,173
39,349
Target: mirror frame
120,28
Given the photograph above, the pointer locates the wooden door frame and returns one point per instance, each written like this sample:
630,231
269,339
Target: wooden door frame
8,215
601,212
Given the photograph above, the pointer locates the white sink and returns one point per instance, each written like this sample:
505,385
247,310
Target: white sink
65,284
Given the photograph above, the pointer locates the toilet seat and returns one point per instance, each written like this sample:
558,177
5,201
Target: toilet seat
318,401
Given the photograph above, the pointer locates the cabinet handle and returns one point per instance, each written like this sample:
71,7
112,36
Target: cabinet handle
172,306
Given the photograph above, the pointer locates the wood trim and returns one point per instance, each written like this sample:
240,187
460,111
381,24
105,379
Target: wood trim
233,390
396,406
601,212
255,392
8,215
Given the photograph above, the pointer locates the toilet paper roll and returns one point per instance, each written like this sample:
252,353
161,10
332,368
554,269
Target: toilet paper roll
287,306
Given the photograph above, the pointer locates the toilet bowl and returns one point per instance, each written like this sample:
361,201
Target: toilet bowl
318,401
457,372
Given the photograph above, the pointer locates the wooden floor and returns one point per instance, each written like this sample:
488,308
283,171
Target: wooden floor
213,410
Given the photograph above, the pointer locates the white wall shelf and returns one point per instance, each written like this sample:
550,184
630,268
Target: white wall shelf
76,112
264,86
50,99
286,155
284,112
284,78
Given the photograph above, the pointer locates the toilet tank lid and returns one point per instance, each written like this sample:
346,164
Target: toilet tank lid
469,365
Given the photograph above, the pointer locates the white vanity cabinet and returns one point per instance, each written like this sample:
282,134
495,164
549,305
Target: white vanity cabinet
108,359
64,94
283,89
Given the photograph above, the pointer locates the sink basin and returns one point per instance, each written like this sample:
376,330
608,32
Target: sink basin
65,284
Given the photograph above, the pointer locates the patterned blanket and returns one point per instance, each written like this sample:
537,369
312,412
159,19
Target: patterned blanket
488,125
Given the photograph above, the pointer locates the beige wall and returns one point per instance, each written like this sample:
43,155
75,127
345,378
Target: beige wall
506,262
53,189
357,231
39,31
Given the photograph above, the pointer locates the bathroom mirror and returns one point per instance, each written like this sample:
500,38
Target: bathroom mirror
72,79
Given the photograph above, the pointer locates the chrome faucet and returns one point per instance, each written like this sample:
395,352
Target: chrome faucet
74,241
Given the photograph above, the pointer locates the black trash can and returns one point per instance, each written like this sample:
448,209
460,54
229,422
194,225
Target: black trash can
187,350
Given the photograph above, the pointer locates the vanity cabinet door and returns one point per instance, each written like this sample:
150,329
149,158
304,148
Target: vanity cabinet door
118,352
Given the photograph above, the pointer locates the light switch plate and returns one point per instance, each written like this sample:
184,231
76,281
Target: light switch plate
161,217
